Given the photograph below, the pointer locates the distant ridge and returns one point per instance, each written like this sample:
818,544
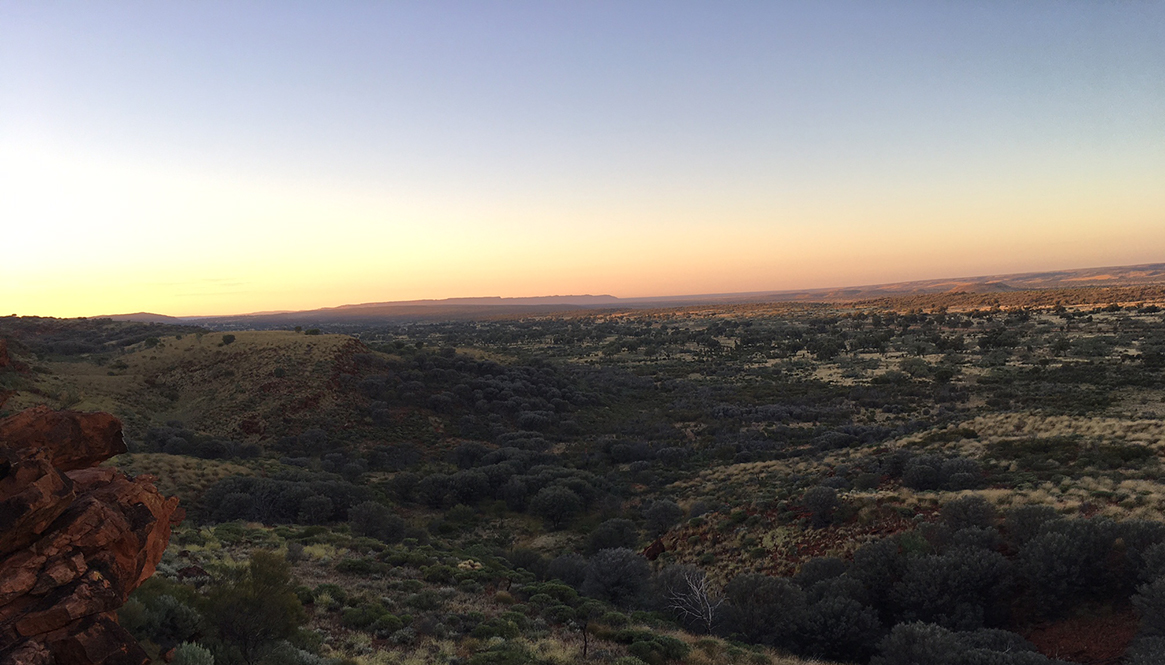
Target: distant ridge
496,306
143,317
489,301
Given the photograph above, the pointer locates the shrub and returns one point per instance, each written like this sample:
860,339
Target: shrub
363,616
255,607
1022,524
818,569
556,504
821,503
661,516
1153,563
968,511
570,568
652,648
376,521
612,534
387,624
1069,560
1150,604
192,654
1145,651
763,609
528,559
917,643
315,509
838,627
957,590
618,576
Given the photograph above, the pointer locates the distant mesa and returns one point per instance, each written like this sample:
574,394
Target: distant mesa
142,317
983,287
469,308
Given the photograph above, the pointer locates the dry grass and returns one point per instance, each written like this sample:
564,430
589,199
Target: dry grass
226,390
178,475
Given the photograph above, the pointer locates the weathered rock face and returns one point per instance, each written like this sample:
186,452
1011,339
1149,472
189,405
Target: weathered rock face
75,540
73,440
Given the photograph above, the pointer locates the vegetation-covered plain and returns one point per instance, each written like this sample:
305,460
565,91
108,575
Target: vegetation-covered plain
873,483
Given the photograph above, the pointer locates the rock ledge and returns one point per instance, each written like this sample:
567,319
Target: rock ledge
75,539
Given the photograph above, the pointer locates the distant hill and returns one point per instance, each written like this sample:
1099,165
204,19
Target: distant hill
142,317
490,307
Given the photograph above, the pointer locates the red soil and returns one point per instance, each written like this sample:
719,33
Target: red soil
1098,640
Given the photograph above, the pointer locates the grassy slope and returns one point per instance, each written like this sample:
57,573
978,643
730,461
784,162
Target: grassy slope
225,390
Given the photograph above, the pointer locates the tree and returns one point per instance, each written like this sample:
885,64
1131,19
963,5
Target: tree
821,502
661,516
618,576
228,339
690,597
254,607
613,533
316,509
763,609
557,504
1150,604
375,520
570,568
968,511
192,654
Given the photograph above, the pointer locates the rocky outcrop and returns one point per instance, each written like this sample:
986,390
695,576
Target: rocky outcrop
73,440
75,539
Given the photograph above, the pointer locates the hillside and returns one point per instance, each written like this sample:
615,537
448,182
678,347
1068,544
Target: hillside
259,386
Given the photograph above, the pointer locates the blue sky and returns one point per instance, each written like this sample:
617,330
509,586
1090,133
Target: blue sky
246,156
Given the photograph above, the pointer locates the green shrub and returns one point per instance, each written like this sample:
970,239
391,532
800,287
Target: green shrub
363,616
335,592
497,627
387,624
192,654
360,566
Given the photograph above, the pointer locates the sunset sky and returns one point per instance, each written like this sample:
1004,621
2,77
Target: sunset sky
228,157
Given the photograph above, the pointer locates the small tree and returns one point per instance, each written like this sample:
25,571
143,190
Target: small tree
192,654
1150,603
821,502
255,607
375,520
613,533
316,509
661,516
228,339
692,599
557,504
618,576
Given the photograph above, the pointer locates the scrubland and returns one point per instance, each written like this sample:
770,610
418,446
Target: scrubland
959,481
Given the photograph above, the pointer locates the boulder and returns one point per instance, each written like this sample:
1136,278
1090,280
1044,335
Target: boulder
74,440
75,540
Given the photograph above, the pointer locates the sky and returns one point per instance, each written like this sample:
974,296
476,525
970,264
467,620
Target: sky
210,157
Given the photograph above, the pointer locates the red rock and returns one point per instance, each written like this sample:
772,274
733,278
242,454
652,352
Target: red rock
32,494
652,552
75,440
75,540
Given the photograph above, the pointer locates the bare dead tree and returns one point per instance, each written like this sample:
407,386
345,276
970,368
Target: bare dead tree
693,599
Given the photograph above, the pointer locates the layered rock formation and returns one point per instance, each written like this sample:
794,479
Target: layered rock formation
75,539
